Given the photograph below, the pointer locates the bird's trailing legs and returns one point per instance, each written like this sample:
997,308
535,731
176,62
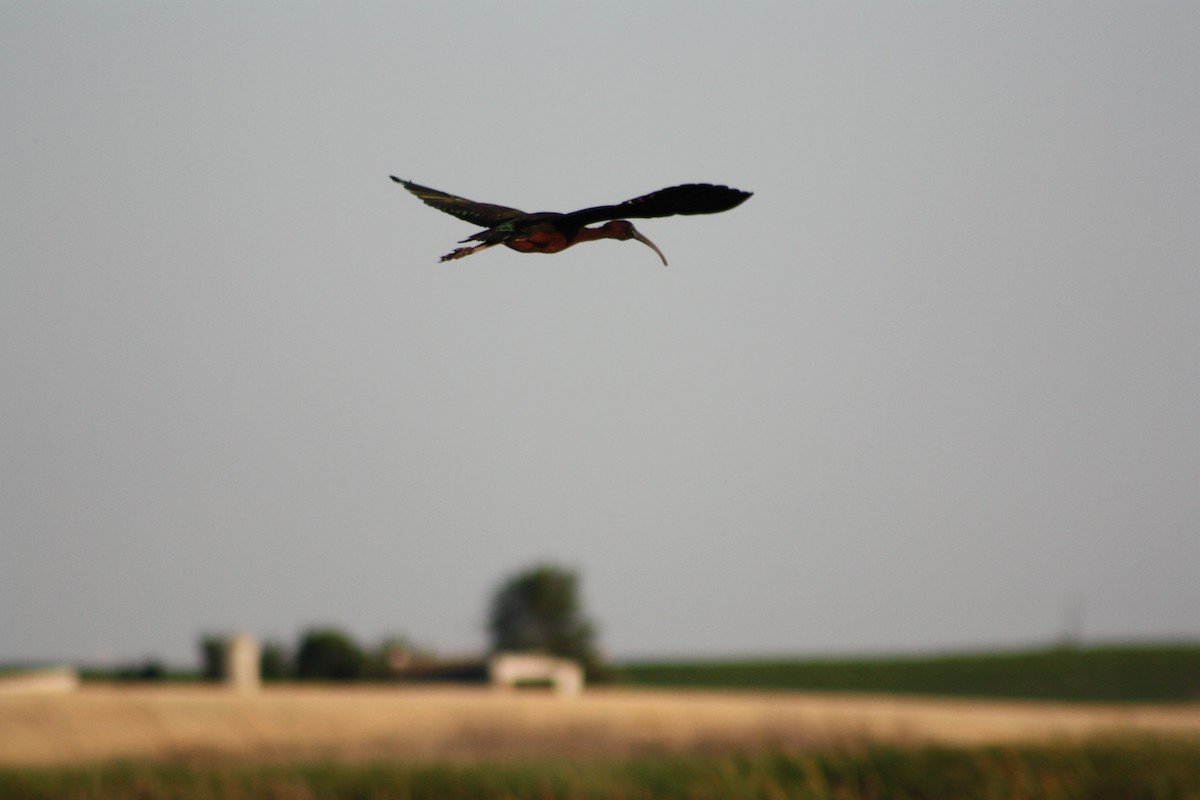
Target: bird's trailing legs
463,252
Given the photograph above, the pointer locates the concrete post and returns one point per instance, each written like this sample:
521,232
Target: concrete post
242,664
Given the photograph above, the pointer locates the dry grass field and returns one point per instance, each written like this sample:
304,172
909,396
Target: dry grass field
287,723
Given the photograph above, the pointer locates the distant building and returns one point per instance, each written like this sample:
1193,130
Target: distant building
52,680
506,670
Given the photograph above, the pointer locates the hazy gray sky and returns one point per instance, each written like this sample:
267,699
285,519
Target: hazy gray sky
936,385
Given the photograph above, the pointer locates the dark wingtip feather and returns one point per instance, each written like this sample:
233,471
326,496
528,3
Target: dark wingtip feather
690,198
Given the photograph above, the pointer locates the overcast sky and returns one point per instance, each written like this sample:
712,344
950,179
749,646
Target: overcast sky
935,386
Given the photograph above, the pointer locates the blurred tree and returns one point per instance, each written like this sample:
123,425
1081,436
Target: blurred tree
149,670
273,662
328,654
392,656
539,610
212,657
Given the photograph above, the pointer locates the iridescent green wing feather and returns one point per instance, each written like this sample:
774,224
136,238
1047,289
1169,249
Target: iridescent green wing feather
484,214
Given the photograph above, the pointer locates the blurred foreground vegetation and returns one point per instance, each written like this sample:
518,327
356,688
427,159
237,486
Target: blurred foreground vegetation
1114,674
1126,769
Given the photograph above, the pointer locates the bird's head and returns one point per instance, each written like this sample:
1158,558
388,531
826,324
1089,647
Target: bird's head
623,230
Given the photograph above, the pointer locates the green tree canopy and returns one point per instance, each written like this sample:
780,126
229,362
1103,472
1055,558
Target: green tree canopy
212,657
328,654
539,610
273,663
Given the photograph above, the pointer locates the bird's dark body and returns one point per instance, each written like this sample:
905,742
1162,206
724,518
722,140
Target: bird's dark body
552,232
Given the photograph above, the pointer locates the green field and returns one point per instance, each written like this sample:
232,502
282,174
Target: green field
1116,674
1130,769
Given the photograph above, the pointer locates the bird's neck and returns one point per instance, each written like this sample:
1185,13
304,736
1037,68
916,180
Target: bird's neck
592,234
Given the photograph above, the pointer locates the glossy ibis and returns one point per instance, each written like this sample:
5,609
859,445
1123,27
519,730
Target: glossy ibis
550,232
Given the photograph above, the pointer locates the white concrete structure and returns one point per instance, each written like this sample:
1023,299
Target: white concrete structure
242,664
506,670
54,680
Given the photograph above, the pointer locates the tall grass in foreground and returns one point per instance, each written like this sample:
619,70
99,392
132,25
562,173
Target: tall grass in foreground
1098,771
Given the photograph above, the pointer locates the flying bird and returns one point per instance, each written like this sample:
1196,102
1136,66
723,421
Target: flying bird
551,232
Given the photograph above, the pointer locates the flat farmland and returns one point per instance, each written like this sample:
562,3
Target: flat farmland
365,723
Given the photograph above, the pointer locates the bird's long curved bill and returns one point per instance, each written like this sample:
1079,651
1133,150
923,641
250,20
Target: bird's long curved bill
637,235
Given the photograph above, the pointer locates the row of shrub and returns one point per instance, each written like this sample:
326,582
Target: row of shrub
327,654
1166,673
324,654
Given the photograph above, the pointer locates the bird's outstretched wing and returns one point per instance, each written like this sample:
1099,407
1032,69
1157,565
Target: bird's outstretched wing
484,214
690,198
